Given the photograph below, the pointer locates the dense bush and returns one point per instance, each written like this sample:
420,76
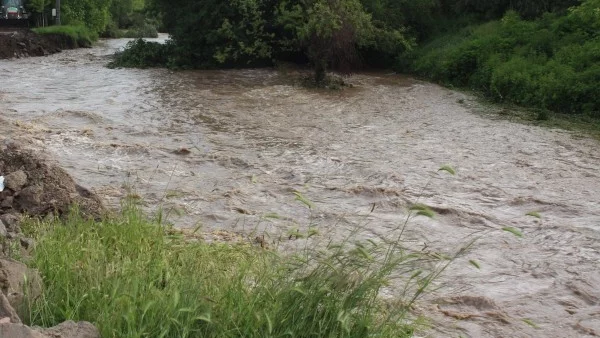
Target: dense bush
552,62
335,34
143,54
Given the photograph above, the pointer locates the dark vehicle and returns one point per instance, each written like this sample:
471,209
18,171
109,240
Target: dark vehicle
13,10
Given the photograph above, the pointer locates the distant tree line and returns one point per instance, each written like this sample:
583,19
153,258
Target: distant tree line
539,53
97,15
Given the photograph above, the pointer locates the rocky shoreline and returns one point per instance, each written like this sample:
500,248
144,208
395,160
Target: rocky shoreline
33,187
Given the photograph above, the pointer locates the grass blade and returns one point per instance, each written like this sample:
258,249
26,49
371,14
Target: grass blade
513,231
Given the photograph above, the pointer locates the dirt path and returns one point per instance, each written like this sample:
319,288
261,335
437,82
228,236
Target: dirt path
225,148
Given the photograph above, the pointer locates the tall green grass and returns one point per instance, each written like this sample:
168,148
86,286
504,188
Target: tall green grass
134,277
75,36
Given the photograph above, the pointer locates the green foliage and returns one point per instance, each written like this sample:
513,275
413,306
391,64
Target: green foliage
99,16
492,9
475,264
74,36
134,278
38,6
329,31
448,169
144,31
513,231
550,63
422,210
143,54
417,15
241,33
218,33
94,14
127,13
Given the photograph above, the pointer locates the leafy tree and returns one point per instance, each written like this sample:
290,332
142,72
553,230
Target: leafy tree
214,33
93,14
38,7
331,32
127,13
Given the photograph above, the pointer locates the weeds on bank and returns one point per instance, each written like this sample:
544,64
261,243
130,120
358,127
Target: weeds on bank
133,277
130,278
79,35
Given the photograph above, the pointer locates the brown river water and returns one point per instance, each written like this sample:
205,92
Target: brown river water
222,149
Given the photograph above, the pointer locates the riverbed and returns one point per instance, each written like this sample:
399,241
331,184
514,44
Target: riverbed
230,151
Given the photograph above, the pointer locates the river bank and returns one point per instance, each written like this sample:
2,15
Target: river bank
21,43
228,149
24,43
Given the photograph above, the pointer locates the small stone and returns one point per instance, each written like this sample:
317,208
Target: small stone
7,202
27,243
7,311
3,231
30,198
16,180
182,151
10,221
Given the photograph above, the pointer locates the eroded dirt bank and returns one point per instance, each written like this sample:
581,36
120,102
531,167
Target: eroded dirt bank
24,43
226,148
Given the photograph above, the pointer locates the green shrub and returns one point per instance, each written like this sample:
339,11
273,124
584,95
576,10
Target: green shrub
143,31
143,54
112,31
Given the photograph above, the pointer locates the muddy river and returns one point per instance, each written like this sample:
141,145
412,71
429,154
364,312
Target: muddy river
223,149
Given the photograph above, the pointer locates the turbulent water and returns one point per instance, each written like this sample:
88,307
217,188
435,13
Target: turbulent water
224,149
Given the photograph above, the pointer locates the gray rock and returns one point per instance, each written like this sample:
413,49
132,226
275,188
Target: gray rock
7,202
15,180
3,231
12,282
11,222
12,330
7,311
30,198
27,243
70,329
